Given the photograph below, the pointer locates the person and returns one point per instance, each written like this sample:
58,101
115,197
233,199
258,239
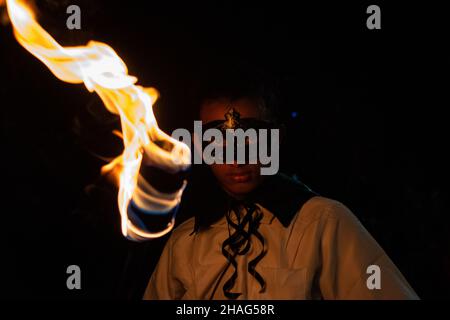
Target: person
252,236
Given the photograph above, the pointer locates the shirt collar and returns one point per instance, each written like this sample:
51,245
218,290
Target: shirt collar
283,196
267,218
279,194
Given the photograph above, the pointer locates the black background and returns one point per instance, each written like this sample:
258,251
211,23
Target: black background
370,129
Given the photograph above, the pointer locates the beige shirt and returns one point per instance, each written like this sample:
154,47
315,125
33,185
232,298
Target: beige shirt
323,254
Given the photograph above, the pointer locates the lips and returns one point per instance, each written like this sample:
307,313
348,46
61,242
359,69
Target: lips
240,177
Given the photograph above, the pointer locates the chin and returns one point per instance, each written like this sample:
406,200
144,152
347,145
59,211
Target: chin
241,189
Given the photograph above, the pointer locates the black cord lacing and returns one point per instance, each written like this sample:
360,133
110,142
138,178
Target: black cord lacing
239,243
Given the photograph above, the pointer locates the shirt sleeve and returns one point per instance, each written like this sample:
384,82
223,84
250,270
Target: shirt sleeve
163,284
144,219
150,208
352,260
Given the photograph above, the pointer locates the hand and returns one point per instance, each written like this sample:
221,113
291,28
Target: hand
166,177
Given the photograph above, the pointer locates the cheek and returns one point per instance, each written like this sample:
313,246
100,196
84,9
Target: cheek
219,171
256,170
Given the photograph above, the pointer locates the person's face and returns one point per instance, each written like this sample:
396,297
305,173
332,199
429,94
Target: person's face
236,179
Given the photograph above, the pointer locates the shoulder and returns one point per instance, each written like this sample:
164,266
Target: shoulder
325,209
183,232
333,219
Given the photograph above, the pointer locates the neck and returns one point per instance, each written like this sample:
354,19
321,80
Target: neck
235,196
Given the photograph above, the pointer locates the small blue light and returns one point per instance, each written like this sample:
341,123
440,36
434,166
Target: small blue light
294,114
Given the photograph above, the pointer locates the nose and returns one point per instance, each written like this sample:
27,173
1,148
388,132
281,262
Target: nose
236,165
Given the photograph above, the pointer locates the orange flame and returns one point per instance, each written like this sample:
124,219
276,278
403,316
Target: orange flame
101,70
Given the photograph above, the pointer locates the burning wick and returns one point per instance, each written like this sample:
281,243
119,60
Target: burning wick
101,70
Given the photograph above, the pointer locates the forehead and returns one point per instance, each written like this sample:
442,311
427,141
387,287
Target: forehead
215,109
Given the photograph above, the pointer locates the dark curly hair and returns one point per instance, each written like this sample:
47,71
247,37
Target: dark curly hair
234,80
